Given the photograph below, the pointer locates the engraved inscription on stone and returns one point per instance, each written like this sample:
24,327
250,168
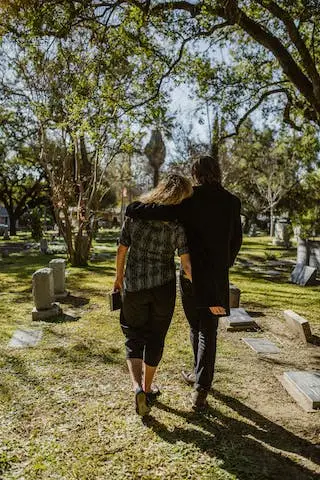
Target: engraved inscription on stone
261,345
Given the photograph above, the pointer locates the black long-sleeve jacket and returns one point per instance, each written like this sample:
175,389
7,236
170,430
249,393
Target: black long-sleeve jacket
211,218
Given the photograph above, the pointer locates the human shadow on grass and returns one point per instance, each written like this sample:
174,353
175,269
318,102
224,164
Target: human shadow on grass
62,318
250,451
81,353
75,301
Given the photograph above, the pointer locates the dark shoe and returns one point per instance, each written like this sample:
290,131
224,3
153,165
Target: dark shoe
188,377
142,408
152,396
199,400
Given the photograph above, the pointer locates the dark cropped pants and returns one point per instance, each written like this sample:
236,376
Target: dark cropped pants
145,318
203,336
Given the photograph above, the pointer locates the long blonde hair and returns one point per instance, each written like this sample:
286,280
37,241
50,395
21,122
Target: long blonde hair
170,191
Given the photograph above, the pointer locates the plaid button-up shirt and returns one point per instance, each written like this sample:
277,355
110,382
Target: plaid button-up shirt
152,245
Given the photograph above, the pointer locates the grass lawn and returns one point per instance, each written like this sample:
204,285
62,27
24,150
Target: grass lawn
66,409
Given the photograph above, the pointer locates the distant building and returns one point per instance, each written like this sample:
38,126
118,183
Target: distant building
4,217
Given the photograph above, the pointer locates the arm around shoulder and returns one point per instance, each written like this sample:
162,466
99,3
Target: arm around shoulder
152,211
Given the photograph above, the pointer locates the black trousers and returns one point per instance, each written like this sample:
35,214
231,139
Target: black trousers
145,318
203,336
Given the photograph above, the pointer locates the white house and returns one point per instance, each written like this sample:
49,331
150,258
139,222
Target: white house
4,217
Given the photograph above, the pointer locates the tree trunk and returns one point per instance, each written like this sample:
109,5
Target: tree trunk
271,222
13,226
80,254
155,176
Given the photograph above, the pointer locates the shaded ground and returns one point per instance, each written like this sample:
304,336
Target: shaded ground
66,410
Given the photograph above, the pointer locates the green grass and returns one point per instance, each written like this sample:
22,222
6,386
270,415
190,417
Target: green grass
66,407
274,294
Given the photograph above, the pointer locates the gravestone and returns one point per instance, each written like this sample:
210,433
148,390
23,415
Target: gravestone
282,232
252,230
238,320
6,235
302,252
304,275
298,325
58,266
43,295
261,345
304,387
44,245
234,293
314,258
25,338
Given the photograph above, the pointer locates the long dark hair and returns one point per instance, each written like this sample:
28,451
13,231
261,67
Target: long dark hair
206,169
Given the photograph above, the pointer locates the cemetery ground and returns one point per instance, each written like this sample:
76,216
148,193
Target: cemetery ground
66,408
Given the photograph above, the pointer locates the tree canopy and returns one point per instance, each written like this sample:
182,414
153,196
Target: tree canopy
270,49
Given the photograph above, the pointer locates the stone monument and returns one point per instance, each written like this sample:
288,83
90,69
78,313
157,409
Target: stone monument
58,266
282,233
234,294
43,295
44,245
314,258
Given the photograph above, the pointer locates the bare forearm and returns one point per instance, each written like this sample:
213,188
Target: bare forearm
120,263
186,265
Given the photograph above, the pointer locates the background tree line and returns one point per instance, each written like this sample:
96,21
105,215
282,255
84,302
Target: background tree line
82,82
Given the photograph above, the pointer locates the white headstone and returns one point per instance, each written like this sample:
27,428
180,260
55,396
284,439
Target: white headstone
58,266
42,288
44,245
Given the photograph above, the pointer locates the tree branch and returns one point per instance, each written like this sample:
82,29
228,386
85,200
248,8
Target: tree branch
252,109
294,34
174,64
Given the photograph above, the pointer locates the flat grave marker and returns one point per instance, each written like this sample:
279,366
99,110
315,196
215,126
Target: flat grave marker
298,325
239,319
23,338
304,387
261,345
